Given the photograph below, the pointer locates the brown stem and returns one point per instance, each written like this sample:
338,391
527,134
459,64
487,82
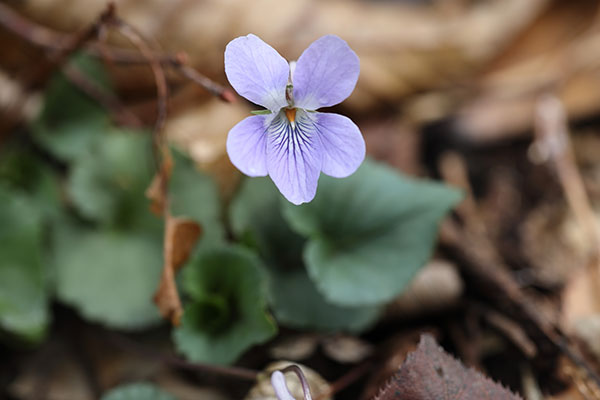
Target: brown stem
106,99
346,380
57,41
180,63
30,31
42,72
75,42
162,91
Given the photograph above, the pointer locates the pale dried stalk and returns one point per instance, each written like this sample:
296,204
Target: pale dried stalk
553,144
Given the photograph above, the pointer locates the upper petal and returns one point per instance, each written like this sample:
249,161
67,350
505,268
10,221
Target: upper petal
257,71
325,73
247,145
294,157
342,143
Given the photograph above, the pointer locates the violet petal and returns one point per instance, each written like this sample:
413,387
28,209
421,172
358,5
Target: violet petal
257,71
342,143
247,146
294,156
325,74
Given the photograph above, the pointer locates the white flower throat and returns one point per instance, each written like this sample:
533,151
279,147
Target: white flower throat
290,111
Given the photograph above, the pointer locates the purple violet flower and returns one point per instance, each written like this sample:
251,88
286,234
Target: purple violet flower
290,141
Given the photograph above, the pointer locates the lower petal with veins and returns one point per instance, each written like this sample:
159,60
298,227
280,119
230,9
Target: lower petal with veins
294,156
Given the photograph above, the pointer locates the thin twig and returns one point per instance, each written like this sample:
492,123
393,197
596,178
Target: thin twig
180,63
347,379
481,264
43,71
75,42
105,98
30,31
160,79
508,328
56,41
162,157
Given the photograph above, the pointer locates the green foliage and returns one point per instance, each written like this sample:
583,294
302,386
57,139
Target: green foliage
110,273
226,312
195,195
109,268
104,261
256,217
107,184
298,304
137,391
71,122
109,276
328,265
22,171
23,293
369,233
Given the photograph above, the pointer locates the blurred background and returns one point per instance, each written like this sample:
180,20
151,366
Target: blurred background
499,98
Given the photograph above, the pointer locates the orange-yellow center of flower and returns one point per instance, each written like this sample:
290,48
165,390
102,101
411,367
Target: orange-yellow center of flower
290,113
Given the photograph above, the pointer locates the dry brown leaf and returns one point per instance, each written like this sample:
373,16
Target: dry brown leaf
202,132
156,195
394,352
431,373
403,49
181,235
158,190
556,52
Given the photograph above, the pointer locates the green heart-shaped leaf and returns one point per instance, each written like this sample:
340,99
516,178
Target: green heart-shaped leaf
109,276
256,217
194,195
369,233
23,292
71,122
108,184
226,312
